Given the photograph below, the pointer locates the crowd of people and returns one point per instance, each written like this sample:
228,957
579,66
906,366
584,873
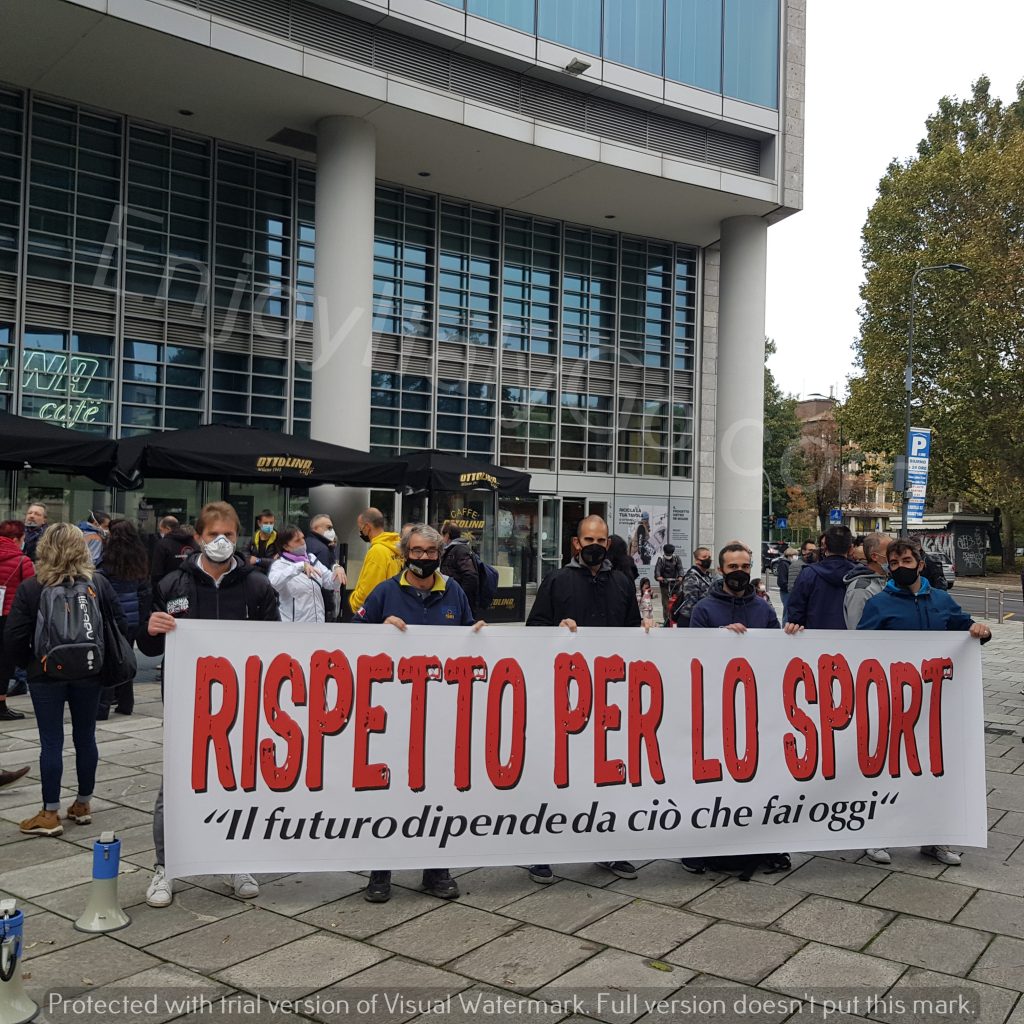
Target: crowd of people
61,578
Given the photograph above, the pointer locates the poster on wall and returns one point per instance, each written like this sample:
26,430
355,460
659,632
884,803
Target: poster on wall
643,524
681,529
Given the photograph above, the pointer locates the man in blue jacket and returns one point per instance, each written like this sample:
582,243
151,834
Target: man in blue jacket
910,602
731,602
816,597
420,596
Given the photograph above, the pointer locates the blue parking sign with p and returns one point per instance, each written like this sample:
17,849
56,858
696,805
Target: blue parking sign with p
920,443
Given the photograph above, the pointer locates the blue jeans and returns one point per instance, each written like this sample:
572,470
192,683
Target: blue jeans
48,700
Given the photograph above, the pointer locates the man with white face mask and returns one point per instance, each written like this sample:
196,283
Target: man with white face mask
215,583
322,541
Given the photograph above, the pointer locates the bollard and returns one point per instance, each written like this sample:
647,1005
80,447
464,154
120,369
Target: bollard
1000,605
15,1005
103,912
986,603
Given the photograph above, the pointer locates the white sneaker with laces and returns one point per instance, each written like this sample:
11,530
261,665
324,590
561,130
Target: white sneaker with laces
161,889
943,854
879,855
245,886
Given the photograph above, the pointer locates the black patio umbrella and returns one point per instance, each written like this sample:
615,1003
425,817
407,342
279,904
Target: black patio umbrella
27,443
249,455
431,470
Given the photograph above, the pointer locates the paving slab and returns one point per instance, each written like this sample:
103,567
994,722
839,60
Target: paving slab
566,906
1002,964
29,882
403,988
994,912
924,897
834,922
131,890
448,932
481,1003
1011,822
647,929
746,902
354,917
83,966
295,894
740,954
493,888
223,943
665,881
525,959
934,945
986,874
710,1000
192,908
46,932
827,972
927,997
615,986
302,966
830,878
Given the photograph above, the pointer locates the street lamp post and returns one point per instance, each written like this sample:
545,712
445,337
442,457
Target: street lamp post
908,379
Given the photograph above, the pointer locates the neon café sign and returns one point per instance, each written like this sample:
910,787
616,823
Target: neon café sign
45,373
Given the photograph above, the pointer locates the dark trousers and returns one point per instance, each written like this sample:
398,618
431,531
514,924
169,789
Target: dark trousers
48,700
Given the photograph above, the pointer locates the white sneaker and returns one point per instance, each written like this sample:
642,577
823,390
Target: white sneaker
943,854
245,886
161,889
879,855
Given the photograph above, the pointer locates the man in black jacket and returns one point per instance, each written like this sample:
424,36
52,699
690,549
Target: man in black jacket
322,542
667,570
214,584
171,550
458,562
586,592
265,546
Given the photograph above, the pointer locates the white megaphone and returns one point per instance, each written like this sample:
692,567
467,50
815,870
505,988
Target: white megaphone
15,1005
103,912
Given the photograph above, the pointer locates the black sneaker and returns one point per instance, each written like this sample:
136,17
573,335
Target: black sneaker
695,865
622,868
541,873
9,714
379,888
438,882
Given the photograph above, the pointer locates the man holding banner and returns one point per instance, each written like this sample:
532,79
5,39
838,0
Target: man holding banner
586,592
908,602
418,595
214,584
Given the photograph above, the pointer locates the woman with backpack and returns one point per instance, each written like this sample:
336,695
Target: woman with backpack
55,629
15,566
126,567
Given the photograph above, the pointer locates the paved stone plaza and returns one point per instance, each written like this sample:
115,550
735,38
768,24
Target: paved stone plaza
916,937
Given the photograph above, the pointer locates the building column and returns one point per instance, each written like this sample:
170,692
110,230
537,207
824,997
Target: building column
739,452
343,305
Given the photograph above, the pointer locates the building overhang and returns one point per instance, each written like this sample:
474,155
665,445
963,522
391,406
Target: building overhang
245,88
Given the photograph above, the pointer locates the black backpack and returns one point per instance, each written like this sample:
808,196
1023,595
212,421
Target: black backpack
487,582
68,640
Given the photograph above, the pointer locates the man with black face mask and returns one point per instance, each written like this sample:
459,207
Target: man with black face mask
696,584
731,602
421,596
586,592
910,602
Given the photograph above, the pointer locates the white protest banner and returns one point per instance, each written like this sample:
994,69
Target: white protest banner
292,747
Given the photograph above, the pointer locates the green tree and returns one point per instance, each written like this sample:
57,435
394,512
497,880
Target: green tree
782,460
960,199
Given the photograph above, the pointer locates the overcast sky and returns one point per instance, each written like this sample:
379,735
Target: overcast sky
876,70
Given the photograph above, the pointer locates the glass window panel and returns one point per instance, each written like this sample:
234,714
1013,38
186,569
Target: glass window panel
177,419
751,51
516,13
574,23
181,396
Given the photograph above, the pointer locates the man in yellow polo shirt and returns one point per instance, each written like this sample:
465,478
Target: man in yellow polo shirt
383,560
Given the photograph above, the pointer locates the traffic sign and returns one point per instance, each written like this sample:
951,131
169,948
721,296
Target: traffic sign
781,523
835,517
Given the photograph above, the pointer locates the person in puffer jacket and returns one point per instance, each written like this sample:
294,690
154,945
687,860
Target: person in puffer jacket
126,567
816,598
732,602
300,579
